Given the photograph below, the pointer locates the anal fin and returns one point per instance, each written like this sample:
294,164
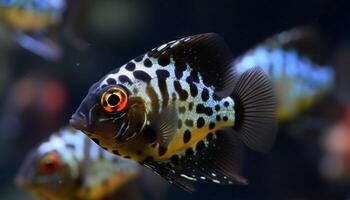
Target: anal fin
218,161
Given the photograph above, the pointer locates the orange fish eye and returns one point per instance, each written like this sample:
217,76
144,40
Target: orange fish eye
114,100
50,163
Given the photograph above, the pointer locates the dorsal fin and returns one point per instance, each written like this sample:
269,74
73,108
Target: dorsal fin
305,40
206,54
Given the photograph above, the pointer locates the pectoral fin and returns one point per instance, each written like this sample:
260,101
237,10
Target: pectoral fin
165,126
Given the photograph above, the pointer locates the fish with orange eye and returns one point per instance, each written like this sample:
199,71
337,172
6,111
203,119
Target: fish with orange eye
114,100
69,166
50,163
179,108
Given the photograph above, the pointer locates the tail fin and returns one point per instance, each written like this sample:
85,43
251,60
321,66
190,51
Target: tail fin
256,120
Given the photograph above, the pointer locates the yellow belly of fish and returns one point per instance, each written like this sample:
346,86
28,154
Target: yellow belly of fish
108,188
177,146
27,21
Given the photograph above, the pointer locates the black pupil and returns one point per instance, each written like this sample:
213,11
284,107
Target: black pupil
113,100
49,164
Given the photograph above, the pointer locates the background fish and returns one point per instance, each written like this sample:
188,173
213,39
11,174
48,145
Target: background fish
181,110
295,64
35,24
70,166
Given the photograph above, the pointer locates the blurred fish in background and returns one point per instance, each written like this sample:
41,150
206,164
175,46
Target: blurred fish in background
69,166
335,164
293,61
39,25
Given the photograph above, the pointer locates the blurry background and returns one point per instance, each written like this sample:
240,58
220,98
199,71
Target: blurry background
38,96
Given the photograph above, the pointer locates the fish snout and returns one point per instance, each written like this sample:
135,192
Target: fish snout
78,121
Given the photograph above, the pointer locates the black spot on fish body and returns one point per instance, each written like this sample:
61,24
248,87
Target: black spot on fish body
181,65
189,123
217,108
130,66
178,73
200,122
163,91
218,118
139,58
182,93
193,90
187,136
205,94
193,77
164,60
147,62
143,76
201,109
116,152
182,109
200,146
162,73
226,104
210,136
174,160
111,81
127,157
162,150
211,125
150,135
225,118
190,106
124,79
189,152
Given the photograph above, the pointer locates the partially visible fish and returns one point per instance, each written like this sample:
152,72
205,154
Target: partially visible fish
35,24
292,61
69,166
182,110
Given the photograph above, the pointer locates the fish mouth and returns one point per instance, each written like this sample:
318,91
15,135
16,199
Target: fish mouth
78,121
22,182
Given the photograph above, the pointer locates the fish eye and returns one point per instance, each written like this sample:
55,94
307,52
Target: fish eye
50,163
114,100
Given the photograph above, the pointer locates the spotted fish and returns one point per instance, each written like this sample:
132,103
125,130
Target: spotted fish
70,166
34,24
292,61
181,110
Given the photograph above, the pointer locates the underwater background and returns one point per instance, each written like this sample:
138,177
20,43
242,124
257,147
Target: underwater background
38,96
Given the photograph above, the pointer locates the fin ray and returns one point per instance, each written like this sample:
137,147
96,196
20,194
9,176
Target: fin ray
166,124
255,110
